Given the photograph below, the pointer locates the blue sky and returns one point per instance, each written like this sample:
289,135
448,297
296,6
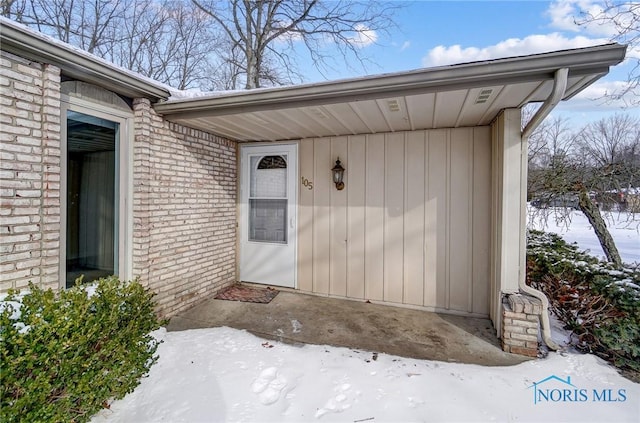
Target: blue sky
433,33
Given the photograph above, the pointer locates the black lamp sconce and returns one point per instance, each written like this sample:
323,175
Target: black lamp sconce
338,175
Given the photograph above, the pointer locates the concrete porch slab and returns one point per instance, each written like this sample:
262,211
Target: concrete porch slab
306,319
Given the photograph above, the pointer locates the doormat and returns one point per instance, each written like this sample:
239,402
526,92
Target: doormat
247,294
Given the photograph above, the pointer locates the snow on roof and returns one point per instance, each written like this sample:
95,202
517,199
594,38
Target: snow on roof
83,53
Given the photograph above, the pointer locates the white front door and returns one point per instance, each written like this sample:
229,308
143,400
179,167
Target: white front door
268,194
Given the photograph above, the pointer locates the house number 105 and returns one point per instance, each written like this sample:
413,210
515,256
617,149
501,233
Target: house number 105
307,183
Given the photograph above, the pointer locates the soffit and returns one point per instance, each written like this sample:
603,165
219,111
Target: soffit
447,97
441,109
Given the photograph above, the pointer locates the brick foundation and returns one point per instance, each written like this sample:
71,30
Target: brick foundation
520,324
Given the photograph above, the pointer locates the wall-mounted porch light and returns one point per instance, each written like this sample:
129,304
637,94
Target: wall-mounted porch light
338,175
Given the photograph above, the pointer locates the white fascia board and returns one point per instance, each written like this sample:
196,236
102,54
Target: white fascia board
77,64
539,67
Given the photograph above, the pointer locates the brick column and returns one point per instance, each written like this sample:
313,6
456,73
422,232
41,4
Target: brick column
520,324
141,169
29,173
50,208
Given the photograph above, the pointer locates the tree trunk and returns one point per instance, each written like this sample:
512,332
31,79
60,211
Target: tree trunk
600,228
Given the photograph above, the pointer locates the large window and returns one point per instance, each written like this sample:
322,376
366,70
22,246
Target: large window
95,184
92,197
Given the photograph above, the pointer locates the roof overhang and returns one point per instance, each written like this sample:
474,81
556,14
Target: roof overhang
77,64
469,94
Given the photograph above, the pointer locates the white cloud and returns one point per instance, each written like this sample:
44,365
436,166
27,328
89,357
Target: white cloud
288,36
562,15
364,36
600,89
443,55
565,15
594,98
405,45
633,52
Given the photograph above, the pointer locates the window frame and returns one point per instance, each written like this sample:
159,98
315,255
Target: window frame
124,172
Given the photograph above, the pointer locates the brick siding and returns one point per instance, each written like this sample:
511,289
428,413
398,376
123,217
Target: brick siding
29,173
520,324
184,203
184,200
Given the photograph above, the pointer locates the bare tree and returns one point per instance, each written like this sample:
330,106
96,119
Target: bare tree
622,20
83,23
137,37
192,44
13,9
170,41
590,169
606,141
265,35
550,142
610,146
549,147
181,42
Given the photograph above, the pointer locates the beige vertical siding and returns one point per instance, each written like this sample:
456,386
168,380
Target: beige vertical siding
356,229
338,234
507,267
374,216
437,218
321,260
412,224
305,218
393,246
480,248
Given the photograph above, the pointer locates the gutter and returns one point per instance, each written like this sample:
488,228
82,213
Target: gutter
559,88
77,64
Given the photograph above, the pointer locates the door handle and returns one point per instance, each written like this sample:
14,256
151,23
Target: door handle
291,223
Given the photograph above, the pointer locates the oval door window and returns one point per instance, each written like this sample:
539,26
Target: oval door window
268,199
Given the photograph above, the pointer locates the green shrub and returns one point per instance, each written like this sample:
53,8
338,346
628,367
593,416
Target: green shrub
597,302
65,355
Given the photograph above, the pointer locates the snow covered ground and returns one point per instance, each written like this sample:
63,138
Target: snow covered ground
574,227
227,375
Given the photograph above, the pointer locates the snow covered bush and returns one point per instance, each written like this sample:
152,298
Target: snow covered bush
66,354
598,303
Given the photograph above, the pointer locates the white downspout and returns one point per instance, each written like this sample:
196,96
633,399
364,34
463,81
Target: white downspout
559,87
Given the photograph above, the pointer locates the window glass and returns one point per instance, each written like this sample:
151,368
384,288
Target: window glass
92,198
268,199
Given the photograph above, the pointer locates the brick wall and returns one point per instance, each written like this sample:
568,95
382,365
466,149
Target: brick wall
29,173
184,203
184,211
520,324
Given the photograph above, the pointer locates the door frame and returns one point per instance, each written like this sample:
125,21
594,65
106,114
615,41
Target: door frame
243,208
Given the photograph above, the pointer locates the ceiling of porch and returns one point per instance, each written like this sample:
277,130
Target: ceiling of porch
446,97
458,108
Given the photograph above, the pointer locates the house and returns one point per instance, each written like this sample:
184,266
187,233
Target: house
105,171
